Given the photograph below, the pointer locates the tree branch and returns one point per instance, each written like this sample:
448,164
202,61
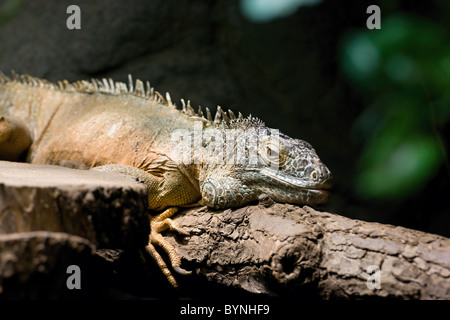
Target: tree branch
273,248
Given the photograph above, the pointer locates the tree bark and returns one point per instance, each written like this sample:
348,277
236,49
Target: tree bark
282,249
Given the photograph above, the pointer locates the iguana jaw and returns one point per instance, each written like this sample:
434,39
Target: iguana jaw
294,190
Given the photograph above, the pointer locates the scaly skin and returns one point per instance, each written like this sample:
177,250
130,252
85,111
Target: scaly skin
183,157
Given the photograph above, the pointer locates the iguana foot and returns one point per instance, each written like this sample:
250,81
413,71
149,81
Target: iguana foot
158,224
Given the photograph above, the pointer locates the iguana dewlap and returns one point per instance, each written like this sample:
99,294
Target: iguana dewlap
223,162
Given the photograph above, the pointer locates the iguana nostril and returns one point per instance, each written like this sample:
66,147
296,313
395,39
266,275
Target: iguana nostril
314,175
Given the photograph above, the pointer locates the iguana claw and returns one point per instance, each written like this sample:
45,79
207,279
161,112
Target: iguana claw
181,271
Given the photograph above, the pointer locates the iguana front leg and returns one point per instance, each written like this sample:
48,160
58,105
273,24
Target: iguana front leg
171,191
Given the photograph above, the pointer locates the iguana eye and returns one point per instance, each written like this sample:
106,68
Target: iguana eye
272,153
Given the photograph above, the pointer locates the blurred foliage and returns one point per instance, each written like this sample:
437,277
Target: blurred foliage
403,73
266,10
9,9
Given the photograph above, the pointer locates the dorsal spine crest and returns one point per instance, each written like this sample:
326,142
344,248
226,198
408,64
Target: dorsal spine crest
137,88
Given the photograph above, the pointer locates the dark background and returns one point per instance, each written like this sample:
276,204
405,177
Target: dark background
288,71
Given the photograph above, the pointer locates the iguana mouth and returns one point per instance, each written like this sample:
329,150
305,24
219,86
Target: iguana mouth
321,195
298,183
298,191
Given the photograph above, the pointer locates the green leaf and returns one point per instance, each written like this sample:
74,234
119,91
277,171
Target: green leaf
406,168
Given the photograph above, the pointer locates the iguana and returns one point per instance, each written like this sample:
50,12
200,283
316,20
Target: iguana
132,129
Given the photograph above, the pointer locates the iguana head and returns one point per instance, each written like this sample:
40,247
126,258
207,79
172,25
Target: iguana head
300,176
287,169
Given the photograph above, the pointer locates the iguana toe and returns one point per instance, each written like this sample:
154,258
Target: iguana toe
158,224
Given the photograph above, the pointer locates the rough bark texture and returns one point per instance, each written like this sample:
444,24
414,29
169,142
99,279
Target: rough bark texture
98,221
280,249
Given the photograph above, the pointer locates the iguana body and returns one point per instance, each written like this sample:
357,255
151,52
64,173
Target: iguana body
129,129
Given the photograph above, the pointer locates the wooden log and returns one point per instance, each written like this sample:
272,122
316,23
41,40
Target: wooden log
107,209
52,217
282,249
